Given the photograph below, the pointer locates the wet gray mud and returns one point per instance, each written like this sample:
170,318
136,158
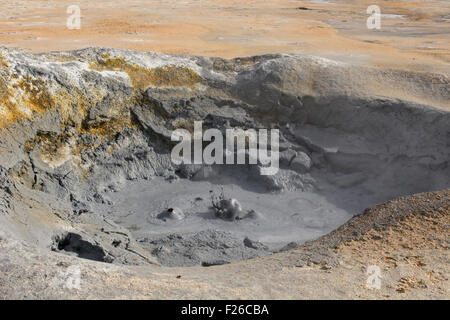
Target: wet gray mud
89,173
275,219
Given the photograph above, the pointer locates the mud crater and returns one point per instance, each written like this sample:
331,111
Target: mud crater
98,157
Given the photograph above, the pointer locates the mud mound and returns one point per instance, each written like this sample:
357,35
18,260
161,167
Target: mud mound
85,140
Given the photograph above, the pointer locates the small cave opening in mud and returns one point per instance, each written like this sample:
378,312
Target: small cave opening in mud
73,243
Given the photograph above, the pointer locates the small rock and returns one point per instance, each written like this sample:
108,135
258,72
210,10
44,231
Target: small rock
254,244
252,214
289,246
287,156
116,243
301,163
187,171
377,237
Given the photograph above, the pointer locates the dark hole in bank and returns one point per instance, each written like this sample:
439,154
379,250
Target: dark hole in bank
72,242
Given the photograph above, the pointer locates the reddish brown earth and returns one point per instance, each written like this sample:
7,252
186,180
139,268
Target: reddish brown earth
418,38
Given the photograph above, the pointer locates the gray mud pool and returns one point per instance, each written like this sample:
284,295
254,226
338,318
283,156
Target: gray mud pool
271,221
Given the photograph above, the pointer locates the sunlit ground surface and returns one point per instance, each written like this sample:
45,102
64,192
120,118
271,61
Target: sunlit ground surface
413,34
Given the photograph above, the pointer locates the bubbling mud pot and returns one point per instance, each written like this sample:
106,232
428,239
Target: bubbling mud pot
85,164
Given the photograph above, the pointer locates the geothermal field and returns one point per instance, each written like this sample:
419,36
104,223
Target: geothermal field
88,181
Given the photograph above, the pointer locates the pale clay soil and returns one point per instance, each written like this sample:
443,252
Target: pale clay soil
413,253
